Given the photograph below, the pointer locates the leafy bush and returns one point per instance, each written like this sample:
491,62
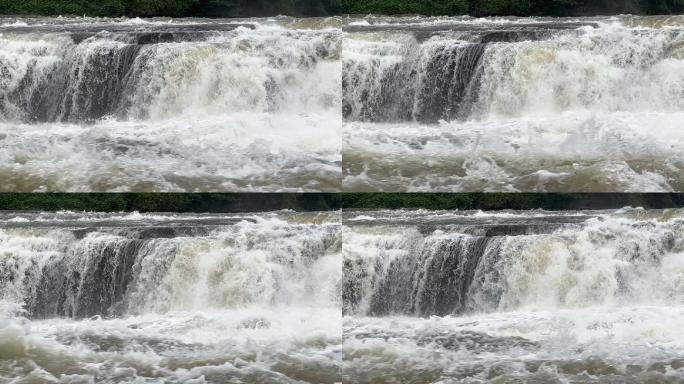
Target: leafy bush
55,7
501,7
513,7
520,201
175,8
170,202
394,7
247,8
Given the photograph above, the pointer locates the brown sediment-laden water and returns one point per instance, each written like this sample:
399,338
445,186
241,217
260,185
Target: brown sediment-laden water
89,104
514,296
170,298
513,104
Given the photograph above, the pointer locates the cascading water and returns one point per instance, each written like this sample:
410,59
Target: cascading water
150,298
169,105
553,297
462,104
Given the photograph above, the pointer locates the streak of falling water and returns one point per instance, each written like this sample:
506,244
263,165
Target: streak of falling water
169,105
571,105
170,298
465,297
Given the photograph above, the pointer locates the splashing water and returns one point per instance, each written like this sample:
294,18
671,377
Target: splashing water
170,298
191,105
460,104
449,297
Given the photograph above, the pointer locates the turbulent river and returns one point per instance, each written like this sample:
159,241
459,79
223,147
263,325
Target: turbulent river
169,105
132,298
360,103
506,104
513,297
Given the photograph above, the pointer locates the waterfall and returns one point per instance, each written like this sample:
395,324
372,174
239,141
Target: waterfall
457,270
215,105
440,296
513,104
64,272
510,71
181,298
157,72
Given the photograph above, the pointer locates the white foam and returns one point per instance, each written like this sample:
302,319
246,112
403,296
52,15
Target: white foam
240,110
531,153
596,108
256,301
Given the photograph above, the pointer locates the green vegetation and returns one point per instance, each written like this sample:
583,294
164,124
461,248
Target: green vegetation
245,8
260,202
393,7
513,7
174,8
170,202
248,8
498,201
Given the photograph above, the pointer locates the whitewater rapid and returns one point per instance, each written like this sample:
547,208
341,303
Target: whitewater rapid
553,297
169,105
513,104
354,103
161,298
